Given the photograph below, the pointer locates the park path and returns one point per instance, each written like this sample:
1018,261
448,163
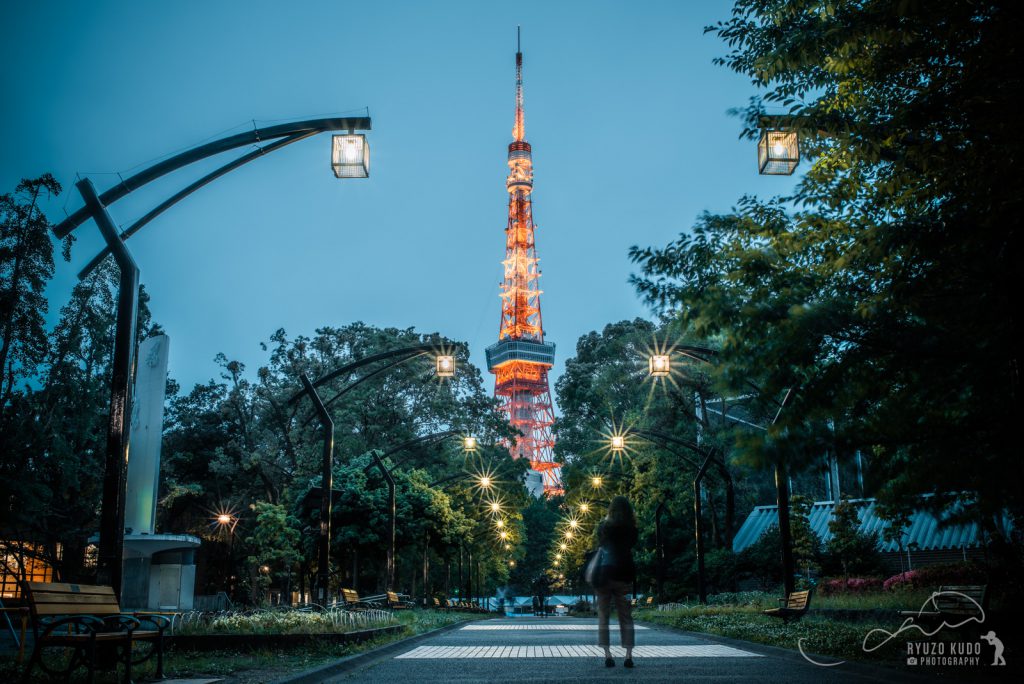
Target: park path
565,650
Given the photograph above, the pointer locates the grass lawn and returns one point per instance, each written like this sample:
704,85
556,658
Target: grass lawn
739,616
259,666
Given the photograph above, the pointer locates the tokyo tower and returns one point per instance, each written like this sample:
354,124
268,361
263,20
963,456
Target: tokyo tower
520,360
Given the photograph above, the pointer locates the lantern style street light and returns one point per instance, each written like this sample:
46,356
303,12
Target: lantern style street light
110,558
618,443
469,443
503,535
350,156
563,546
596,482
660,365
584,507
445,366
778,152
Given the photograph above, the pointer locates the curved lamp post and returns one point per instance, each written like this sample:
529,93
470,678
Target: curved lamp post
378,462
660,365
111,542
396,357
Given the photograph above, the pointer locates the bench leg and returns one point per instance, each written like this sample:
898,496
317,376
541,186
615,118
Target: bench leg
160,655
31,663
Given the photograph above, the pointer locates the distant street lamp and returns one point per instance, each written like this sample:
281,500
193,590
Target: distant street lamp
469,443
110,557
660,365
618,443
596,482
445,366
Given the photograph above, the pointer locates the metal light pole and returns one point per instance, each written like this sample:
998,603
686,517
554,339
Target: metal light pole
326,492
111,543
327,463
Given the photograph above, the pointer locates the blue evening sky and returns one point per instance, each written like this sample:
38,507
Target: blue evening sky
624,109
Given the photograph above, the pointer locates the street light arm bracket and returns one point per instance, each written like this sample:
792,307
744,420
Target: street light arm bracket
255,136
188,190
415,350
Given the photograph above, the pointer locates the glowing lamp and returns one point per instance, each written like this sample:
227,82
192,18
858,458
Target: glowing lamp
596,482
224,519
446,369
618,443
508,547
584,508
568,534
485,482
495,507
778,153
563,547
511,564
555,564
350,156
504,534
558,556
499,524
659,365
574,523
468,443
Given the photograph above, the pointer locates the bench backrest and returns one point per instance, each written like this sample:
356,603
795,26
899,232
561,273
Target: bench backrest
965,603
650,600
350,595
393,597
437,602
798,600
51,598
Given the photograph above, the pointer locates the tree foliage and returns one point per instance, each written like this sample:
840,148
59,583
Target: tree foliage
880,290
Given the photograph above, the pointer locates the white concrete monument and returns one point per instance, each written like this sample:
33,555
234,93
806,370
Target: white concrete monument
159,569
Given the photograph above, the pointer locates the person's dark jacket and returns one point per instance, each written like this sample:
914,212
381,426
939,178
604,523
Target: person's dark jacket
618,541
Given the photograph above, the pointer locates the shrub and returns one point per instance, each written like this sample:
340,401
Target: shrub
854,585
936,575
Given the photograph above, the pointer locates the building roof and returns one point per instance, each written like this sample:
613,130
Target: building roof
925,530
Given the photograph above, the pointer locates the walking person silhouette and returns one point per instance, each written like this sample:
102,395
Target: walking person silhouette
611,572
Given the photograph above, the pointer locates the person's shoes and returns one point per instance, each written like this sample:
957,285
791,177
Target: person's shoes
628,662
609,662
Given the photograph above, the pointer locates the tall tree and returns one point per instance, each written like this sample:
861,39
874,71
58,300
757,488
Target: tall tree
880,290
26,265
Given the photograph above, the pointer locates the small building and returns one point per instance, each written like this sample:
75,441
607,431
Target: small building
928,539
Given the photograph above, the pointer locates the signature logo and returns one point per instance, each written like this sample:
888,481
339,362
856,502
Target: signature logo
929,608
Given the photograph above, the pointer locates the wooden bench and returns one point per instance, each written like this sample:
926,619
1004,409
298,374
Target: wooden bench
396,603
352,600
87,623
441,606
793,608
954,602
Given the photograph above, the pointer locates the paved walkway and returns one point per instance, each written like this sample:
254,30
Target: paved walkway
563,649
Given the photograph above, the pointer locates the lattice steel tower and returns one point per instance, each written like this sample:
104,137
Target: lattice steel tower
521,358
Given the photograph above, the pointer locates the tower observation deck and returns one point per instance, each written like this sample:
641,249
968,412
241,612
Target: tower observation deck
520,359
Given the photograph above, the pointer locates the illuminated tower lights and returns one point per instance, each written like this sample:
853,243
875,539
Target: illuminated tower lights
520,360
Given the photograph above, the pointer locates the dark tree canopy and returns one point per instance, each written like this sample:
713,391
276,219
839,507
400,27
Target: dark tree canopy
881,290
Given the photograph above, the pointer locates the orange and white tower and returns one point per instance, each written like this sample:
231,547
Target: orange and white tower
520,360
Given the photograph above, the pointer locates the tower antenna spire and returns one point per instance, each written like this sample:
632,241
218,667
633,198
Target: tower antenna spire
519,128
